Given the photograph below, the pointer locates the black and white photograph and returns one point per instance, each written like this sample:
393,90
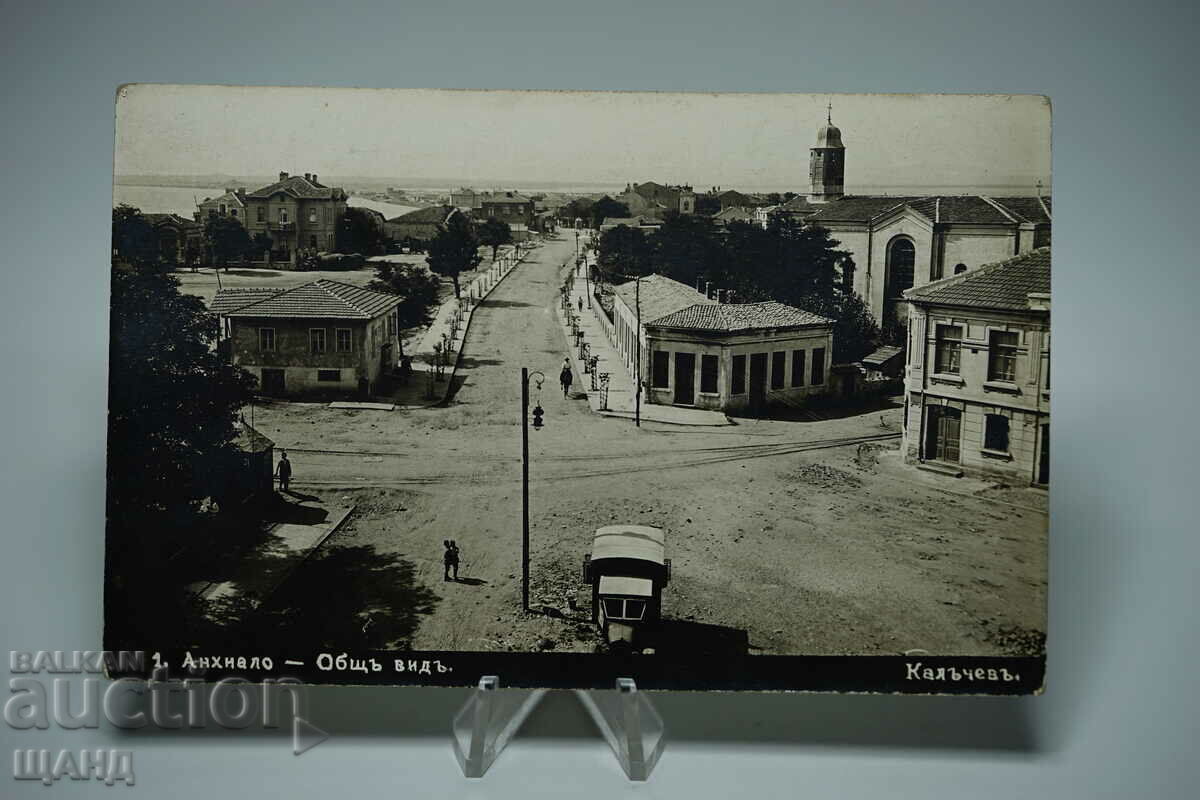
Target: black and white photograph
717,391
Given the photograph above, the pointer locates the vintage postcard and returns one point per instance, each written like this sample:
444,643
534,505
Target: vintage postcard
713,391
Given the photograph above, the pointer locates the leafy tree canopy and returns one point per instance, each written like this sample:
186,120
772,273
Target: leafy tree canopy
417,285
493,233
227,239
134,239
454,250
359,231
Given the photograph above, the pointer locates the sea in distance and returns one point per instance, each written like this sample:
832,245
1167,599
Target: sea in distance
182,200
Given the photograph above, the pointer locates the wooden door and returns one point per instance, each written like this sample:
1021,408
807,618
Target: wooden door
758,381
943,433
272,382
685,379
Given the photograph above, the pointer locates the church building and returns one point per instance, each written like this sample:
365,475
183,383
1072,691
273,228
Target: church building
901,242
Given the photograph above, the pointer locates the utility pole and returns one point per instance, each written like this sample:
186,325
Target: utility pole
637,378
524,489
537,423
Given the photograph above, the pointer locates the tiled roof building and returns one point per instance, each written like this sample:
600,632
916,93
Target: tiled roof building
736,357
320,336
897,242
978,371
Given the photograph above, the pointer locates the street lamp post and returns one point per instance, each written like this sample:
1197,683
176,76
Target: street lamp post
537,423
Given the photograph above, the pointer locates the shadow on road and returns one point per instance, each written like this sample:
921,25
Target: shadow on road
677,637
470,581
345,598
506,304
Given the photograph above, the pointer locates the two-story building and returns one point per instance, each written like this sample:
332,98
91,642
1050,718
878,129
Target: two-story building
324,335
732,357
977,377
512,207
297,212
231,204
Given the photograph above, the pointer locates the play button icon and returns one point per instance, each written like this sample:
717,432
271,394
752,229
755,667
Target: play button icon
305,736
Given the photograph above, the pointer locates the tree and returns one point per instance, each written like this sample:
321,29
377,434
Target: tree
606,207
579,208
173,402
454,250
494,233
622,251
855,333
227,240
134,240
417,285
259,245
359,231
687,248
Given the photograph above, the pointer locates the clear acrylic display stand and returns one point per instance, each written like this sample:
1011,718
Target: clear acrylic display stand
492,715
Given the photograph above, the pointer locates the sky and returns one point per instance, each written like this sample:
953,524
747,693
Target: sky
748,141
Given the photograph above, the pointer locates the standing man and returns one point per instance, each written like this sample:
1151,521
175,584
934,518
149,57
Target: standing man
284,471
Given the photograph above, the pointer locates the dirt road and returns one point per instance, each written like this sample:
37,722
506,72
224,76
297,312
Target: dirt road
792,537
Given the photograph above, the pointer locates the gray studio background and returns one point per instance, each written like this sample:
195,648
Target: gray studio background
1119,715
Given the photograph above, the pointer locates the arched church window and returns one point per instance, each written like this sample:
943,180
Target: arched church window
902,259
960,268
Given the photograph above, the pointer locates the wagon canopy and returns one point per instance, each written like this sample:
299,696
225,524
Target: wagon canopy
631,587
640,542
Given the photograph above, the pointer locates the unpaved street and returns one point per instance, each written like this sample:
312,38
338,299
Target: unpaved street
786,537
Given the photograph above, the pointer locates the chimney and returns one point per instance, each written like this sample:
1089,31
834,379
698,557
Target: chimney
283,176
241,193
308,176
314,179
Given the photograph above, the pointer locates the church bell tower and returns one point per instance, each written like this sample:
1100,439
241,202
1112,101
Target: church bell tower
827,163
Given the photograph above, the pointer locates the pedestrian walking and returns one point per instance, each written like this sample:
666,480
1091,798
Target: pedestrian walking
284,471
450,559
581,305
565,377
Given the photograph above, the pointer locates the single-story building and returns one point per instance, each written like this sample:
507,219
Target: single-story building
643,221
722,356
324,335
420,225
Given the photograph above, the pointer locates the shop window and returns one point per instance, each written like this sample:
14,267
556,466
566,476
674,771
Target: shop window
995,433
818,366
778,362
737,381
797,368
708,374
661,372
329,375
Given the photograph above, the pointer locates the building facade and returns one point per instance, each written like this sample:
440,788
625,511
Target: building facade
319,337
420,225
511,207
731,357
977,376
900,242
296,213
231,204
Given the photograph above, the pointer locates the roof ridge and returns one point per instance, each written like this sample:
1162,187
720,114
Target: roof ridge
1045,208
355,306
996,205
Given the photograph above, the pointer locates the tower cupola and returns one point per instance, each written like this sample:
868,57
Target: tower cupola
827,163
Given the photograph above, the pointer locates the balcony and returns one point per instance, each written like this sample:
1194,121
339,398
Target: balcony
281,226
